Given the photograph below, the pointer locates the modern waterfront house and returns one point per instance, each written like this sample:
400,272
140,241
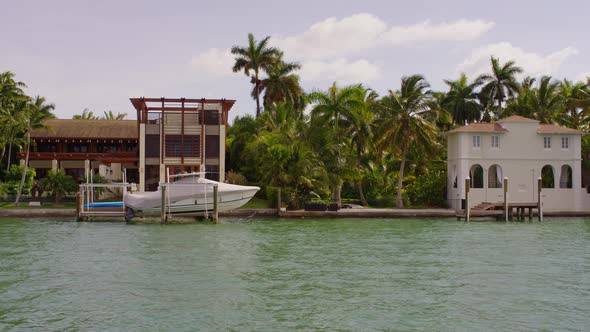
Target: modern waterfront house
179,135
170,136
522,150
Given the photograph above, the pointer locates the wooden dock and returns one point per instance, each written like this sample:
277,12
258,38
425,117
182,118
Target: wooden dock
497,210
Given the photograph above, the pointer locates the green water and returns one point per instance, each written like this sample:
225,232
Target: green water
299,275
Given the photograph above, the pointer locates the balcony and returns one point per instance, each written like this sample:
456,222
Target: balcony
109,157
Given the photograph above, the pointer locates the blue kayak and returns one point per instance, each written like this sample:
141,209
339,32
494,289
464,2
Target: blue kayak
104,204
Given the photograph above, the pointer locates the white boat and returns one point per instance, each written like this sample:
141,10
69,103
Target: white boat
189,196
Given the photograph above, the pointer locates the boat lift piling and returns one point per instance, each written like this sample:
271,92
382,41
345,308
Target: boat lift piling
506,199
216,204
163,204
467,186
539,200
86,207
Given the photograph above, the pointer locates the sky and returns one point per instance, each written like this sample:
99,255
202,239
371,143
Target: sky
98,54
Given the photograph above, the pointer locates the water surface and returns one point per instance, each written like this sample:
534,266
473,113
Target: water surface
299,275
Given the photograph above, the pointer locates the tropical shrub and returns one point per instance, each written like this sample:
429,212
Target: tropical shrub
59,184
235,178
428,189
13,177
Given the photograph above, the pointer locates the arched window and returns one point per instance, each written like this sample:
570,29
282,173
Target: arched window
454,176
547,178
476,175
565,178
495,176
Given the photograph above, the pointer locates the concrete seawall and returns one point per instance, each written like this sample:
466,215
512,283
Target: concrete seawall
343,213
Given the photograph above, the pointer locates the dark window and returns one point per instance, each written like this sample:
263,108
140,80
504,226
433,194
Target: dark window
476,175
76,148
192,146
131,147
76,173
212,172
152,177
45,147
547,178
173,146
152,146
565,179
110,147
212,146
212,117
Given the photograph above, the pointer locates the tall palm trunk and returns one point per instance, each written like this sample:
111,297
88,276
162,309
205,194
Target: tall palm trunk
3,152
24,175
336,193
360,182
8,160
362,194
257,88
400,176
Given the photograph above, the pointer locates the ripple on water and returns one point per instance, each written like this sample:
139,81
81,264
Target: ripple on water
348,275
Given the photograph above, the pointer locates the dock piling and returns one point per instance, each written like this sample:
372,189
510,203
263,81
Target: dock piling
539,200
467,186
163,205
506,199
279,203
215,204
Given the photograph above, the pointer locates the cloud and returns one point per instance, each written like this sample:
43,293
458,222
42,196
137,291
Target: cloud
535,64
583,77
460,30
332,37
329,41
352,34
340,70
213,62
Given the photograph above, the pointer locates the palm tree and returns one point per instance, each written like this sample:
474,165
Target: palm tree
501,84
403,122
328,115
281,84
58,183
521,104
38,111
111,116
359,128
86,115
545,101
11,94
255,57
462,100
576,107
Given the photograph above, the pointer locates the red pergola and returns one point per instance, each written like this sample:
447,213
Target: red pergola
147,105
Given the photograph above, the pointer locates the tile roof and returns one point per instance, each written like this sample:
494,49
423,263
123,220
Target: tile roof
89,129
516,118
479,128
555,129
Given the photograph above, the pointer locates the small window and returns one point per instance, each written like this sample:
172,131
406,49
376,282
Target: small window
565,143
547,142
476,141
495,141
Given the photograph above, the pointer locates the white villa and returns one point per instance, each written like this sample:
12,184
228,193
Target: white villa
521,150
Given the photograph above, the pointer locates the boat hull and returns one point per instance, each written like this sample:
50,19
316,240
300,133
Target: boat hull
201,204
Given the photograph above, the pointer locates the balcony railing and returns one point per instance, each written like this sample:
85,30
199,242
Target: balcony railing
101,156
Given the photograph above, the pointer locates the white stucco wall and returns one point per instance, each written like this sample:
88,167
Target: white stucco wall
521,156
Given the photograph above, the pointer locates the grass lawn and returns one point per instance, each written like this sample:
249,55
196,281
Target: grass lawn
257,203
25,205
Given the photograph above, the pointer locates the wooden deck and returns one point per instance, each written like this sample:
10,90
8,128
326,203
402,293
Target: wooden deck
496,209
